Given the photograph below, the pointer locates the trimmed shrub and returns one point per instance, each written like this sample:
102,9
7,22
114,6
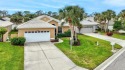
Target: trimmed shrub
18,41
65,34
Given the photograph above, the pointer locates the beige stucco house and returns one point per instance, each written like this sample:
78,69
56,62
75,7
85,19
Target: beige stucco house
45,28
42,28
8,25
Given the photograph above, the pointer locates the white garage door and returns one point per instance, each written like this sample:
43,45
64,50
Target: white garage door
37,36
86,30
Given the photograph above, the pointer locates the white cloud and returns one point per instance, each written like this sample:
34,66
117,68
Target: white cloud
16,9
115,2
48,5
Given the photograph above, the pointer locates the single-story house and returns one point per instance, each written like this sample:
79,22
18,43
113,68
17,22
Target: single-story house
42,28
8,26
89,25
45,28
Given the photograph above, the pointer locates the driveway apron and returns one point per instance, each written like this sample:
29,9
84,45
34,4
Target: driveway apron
46,56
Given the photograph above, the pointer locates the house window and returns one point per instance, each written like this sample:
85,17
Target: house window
59,29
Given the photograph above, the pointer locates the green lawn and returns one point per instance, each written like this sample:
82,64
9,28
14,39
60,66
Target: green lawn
11,57
88,55
116,35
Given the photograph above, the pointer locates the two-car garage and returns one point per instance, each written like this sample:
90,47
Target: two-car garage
37,36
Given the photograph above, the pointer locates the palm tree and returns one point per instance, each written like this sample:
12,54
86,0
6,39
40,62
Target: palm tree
121,16
108,15
39,12
73,15
49,13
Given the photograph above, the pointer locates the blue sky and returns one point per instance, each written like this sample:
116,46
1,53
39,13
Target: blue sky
54,5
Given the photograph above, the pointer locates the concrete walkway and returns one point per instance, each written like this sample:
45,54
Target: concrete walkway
46,56
115,62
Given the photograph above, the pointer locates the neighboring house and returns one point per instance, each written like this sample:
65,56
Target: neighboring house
89,25
42,28
45,28
8,26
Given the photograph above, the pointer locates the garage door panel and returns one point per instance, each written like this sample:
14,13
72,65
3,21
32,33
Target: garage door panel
86,30
36,37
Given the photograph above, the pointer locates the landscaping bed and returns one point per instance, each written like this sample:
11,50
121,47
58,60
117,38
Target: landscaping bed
88,54
11,57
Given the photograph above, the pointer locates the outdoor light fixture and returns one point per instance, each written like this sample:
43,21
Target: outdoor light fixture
113,49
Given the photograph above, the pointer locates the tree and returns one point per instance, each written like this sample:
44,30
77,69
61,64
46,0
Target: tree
49,13
39,12
2,32
79,27
121,17
109,14
16,19
73,15
117,25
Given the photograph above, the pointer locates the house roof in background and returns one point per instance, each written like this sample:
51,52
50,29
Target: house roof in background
6,18
4,23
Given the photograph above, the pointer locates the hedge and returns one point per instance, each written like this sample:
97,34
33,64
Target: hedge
65,34
18,41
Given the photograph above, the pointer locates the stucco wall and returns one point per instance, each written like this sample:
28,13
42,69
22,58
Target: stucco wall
45,19
56,24
5,36
52,31
13,35
65,28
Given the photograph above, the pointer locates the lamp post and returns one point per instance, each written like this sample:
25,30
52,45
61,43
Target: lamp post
113,49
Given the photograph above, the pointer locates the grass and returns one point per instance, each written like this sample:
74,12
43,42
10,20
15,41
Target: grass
88,54
116,35
11,57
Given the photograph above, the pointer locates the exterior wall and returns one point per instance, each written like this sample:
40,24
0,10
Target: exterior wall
65,28
45,19
56,23
6,35
52,31
13,35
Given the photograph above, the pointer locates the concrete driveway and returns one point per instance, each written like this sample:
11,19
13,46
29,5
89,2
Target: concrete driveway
46,56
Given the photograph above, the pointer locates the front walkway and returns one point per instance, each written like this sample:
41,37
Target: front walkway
46,56
115,62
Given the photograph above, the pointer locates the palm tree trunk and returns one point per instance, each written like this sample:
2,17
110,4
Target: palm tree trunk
71,28
107,25
2,37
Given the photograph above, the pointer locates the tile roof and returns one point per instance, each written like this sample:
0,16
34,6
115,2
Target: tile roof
36,23
4,23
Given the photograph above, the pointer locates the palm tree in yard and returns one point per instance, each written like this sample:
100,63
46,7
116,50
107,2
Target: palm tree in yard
73,15
109,15
121,15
